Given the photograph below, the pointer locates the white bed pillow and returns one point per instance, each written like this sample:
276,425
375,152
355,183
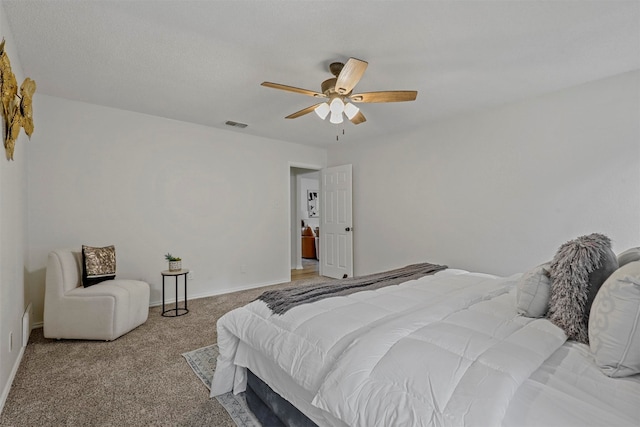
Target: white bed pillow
628,256
614,323
532,292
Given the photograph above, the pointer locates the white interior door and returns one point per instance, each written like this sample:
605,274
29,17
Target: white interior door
336,228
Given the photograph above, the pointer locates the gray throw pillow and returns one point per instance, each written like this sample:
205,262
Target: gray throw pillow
577,271
532,292
599,276
614,324
628,256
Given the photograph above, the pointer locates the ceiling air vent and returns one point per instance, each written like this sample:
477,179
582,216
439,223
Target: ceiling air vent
236,124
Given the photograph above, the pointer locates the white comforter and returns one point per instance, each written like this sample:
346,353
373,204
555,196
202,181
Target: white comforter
446,349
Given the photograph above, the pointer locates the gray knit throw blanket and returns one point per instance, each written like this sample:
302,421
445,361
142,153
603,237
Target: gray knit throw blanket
280,301
569,271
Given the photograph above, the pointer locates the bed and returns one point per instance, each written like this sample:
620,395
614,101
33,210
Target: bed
445,349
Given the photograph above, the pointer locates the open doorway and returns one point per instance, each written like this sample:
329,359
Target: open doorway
305,222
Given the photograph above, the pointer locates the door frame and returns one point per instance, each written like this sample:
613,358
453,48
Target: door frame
294,219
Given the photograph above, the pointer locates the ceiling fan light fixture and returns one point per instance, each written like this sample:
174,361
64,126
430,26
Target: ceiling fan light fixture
338,91
350,110
337,106
336,118
322,110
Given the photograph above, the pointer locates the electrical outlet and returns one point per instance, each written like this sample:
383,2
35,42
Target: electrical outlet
243,268
190,275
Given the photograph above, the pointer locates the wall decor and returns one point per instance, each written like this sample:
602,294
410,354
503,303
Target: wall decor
17,113
312,203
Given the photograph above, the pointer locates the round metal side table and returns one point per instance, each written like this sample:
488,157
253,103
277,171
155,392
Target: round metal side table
177,311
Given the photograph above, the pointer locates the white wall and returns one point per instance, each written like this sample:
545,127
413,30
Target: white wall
219,199
13,237
500,190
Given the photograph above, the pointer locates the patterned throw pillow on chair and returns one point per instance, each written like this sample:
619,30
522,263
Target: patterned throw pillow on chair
98,264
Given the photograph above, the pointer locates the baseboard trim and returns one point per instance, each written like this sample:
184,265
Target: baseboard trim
7,386
221,292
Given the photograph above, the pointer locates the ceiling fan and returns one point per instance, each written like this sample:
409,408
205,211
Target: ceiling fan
337,92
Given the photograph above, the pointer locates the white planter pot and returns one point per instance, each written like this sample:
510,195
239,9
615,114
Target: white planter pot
175,265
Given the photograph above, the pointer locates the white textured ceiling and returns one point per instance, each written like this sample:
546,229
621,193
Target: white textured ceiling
203,61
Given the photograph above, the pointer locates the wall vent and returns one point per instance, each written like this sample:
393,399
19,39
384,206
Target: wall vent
26,325
235,124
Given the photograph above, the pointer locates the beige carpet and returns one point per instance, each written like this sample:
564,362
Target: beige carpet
140,379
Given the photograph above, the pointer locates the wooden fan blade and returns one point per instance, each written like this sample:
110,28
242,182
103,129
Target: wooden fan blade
303,111
293,89
358,118
386,96
350,75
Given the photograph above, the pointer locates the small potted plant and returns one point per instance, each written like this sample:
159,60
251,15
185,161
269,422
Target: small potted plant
175,263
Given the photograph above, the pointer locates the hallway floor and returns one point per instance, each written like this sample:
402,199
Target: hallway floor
310,268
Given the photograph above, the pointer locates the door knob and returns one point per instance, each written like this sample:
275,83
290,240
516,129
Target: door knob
348,229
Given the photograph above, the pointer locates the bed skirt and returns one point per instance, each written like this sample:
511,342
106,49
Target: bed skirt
270,408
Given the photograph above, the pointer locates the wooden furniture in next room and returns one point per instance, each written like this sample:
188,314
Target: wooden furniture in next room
308,243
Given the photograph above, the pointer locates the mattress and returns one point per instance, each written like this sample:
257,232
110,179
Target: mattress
447,349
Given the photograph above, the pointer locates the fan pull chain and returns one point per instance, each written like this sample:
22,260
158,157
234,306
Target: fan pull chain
338,137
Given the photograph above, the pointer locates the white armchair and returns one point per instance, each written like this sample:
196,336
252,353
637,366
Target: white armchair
103,311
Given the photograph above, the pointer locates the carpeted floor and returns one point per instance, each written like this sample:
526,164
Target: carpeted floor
140,379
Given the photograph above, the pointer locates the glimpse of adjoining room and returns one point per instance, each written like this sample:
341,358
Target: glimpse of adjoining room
310,248
305,201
